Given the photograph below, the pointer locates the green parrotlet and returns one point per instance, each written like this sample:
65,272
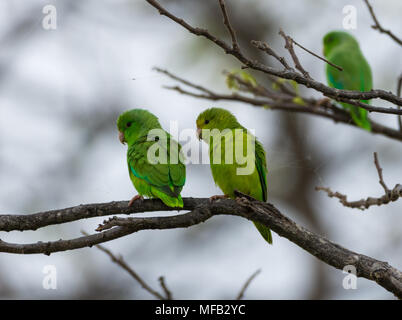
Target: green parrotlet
237,159
153,158
342,49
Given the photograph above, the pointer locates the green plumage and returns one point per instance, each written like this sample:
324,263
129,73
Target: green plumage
226,174
163,180
343,50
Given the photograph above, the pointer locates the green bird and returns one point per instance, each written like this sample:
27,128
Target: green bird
154,158
342,49
237,159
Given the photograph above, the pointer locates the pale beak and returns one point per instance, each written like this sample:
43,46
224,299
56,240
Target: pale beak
121,137
199,134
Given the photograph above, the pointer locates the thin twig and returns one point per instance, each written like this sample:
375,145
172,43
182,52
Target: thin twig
379,171
289,47
121,263
268,50
317,56
363,204
168,293
330,111
370,108
398,93
226,21
247,283
260,91
378,26
273,105
285,74
177,78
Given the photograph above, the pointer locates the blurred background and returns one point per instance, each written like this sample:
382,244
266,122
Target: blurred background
62,90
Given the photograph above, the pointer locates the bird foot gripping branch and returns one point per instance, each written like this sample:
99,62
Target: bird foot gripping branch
217,197
135,198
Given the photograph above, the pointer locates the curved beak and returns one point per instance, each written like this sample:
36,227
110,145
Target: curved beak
199,134
121,137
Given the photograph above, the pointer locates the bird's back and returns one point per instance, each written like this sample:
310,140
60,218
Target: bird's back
356,74
162,180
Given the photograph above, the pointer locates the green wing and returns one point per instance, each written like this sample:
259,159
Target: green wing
356,75
261,165
165,180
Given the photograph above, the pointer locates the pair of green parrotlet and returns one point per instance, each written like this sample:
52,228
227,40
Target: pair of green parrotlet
142,131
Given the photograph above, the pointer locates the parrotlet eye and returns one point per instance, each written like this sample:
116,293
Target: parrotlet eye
129,124
206,121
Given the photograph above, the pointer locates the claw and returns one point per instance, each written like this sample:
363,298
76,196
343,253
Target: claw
242,201
322,102
217,197
135,198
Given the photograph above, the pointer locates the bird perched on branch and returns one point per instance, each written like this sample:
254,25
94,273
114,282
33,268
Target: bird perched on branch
237,159
154,158
342,49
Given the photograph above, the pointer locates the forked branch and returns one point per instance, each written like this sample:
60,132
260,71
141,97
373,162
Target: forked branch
349,96
363,204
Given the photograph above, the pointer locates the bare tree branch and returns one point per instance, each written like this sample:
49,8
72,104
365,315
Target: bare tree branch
119,260
398,92
84,211
389,196
263,46
235,45
285,103
379,171
285,74
377,25
168,293
247,283
268,50
317,56
363,204
201,210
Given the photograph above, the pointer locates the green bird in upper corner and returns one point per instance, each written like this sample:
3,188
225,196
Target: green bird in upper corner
227,145
154,158
342,49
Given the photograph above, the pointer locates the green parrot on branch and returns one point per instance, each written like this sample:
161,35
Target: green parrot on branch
237,159
342,49
154,158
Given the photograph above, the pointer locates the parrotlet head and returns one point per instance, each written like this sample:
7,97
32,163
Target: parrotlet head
216,118
335,39
134,124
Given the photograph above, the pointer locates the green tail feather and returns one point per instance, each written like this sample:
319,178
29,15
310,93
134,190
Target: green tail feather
172,202
359,116
168,200
264,231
